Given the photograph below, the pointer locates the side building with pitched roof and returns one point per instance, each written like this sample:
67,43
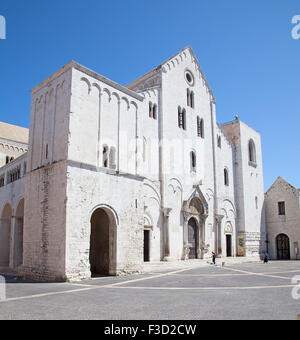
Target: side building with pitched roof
282,207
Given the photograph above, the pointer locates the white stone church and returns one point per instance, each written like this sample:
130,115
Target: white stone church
117,176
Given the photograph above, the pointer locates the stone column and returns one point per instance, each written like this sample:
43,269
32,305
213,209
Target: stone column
202,236
12,242
166,233
186,246
218,240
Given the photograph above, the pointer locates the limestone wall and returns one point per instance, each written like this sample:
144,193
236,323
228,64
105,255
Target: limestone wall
288,224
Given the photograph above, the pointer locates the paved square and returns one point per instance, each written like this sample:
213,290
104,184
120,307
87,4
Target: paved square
247,291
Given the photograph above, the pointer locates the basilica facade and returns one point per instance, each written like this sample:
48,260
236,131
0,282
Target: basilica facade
118,176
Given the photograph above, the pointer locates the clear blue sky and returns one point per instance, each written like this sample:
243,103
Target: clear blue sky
245,49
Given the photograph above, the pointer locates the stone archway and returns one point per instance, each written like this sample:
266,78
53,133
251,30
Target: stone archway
103,242
5,235
18,234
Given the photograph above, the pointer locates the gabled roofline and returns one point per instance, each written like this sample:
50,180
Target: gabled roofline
159,69
89,72
285,181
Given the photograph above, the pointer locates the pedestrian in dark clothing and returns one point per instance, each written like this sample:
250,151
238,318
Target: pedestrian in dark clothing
214,257
266,259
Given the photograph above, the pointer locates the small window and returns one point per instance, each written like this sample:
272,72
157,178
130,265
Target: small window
219,142
226,177
190,98
256,202
105,156
7,159
181,118
193,162
47,149
154,111
200,127
252,152
150,110
281,208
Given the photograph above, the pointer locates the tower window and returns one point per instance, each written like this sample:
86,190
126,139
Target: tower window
200,127
193,162
226,177
152,110
105,156
219,142
181,118
281,208
190,98
252,151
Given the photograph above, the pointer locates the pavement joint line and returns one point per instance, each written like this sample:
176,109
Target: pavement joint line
241,274
48,294
201,288
258,274
87,288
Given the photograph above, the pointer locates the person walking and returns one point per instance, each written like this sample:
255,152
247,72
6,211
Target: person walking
266,259
214,256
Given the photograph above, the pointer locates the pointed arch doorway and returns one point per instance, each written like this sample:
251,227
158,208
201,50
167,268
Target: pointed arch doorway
193,238
103,243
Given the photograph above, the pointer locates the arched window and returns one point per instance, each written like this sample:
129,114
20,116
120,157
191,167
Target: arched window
226,177
154,111
252,151
181,118
188,94
192,100
105,156
7,159
200,127
150,110
112,158
193,162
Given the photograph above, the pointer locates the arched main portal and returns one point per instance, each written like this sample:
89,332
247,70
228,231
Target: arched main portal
18,239
103,243
195,214
283,247
5,230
